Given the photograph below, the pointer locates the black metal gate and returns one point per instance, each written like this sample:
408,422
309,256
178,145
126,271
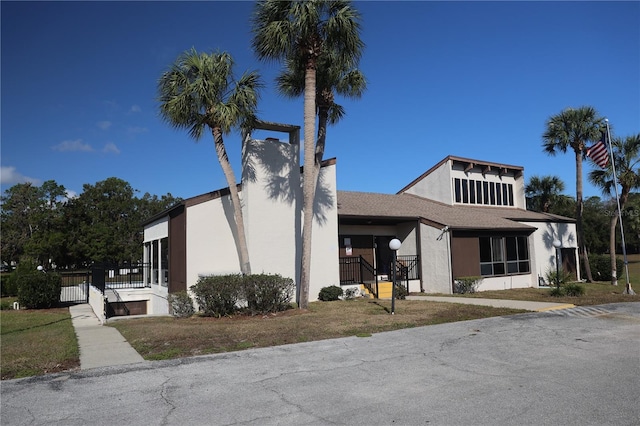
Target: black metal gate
75,287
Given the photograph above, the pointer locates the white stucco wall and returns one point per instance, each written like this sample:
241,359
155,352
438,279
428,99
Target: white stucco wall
211,247
543,254
435,258
269,188
436,185
507,282
325,267
155,296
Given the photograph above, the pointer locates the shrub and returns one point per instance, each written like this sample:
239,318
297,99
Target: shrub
462,285
217,295
556,292
330,293
181,305
601,267
401,292
267,293
573,290
550,276
8,286
38,290
5,305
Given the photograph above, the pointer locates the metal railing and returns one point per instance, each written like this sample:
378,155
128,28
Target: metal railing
119,276
356,270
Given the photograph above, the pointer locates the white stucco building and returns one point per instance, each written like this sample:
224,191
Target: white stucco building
460,218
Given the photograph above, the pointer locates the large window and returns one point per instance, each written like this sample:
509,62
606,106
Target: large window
504,255
469,191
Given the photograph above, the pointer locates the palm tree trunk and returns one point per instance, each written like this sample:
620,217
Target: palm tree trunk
579,209
243,251
308,183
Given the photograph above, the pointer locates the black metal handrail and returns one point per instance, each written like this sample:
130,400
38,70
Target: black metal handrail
356,270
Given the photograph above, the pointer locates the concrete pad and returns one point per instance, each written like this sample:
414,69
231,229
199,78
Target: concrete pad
497,303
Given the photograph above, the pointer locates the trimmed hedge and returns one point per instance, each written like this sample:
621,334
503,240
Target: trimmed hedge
601,267
330,293
223,295
39,290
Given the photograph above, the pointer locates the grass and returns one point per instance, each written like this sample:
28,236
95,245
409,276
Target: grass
164,338
36,342
43,341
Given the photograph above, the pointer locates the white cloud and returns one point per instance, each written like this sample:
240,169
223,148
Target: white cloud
111,148
135,108
104,125
70,194
9,176
75,145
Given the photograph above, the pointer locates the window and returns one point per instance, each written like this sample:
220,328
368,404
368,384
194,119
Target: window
478,192
456,190
472,191
485,191
505,195
164,261
492,194
510,195
504,255
498,194
465,191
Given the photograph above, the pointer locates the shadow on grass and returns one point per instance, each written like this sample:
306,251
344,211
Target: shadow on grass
35,326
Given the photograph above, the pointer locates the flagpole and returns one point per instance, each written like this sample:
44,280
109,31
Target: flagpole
615,184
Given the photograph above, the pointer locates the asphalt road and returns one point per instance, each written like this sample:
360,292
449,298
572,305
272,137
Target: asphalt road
572,367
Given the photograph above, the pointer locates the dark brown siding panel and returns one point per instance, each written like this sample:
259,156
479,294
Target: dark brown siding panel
361,245
465,256
177,250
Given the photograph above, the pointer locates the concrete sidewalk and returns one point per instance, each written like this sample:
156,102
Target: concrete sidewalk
103,346
100,346
497,303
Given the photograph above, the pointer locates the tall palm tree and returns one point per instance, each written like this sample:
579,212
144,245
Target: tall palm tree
199,91
626,154
543,191
574,128
300,31
332,77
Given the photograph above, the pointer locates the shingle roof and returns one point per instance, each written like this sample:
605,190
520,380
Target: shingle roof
407,206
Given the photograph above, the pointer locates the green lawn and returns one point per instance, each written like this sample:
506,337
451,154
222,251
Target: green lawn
37,342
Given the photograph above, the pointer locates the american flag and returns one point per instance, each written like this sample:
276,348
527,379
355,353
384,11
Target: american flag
598,153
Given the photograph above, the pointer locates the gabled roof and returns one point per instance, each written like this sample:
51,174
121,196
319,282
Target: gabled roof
368,205
469,164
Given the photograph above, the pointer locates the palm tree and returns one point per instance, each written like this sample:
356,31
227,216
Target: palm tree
199,91
626,154
301,31
543,191
332,77
574,128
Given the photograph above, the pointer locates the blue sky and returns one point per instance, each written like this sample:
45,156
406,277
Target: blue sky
471,79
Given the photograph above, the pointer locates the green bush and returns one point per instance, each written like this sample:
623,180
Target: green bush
39,290
181,305
267,293
330,293
5,305
550,276
218,295
573,290
601,267
556,292
8,286
462,285
401,292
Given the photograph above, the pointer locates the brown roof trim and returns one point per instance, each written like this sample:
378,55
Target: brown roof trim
428,172
325,163
198,199
469,164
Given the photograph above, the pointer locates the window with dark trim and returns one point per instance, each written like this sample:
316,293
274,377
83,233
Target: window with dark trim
465,191
472,191
456,190
469,191
504,255
498,194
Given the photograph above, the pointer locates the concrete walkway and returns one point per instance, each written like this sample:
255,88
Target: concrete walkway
100,346
497,303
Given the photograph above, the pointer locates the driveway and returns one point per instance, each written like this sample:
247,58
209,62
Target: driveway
577,366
